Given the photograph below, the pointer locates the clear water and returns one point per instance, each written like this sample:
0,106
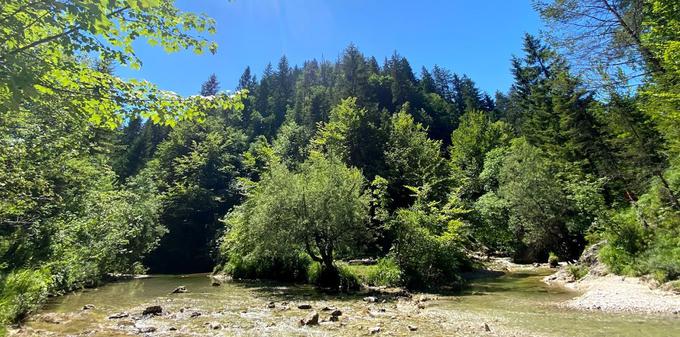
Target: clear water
516,304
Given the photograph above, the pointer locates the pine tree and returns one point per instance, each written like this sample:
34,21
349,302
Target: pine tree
210,87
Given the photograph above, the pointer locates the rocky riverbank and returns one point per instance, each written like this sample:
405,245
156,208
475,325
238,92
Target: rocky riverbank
603,291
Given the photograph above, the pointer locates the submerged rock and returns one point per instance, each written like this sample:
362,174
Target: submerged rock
412,328
146,329
370,299
334,318
215,283
336,313
215,325
311,319
119,315
195,314
305,306
88,307
486,327
374,330
179,290
153,310
271,305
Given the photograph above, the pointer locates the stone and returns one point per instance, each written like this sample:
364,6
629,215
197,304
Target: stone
305,306
486,327
119,315
311,319
88,306
146,329
336,313
370,299
215,283
153,310
172,328
271,305
374,330
328,308
334,318
195,314
412,328
215,325
179,290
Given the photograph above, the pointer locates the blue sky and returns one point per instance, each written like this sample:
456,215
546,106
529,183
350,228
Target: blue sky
474,37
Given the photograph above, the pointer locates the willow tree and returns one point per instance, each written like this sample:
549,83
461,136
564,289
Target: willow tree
321,210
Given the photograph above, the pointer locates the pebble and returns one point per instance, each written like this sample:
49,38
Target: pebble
486,327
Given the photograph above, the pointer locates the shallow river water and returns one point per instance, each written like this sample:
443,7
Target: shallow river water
516,304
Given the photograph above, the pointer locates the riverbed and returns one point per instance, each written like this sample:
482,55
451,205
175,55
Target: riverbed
514,304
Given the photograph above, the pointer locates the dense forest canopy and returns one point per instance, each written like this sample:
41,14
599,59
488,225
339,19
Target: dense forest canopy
324,161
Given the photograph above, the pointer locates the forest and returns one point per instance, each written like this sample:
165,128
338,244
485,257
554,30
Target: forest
303,167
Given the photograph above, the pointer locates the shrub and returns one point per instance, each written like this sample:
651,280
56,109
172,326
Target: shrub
577,271
385,273
21,292
347,278
429,249
553,260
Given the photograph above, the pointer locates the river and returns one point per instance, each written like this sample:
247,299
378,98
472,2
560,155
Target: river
516,304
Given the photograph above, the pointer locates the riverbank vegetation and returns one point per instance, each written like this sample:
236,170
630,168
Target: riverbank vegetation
310,164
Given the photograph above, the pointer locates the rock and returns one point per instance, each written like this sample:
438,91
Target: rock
421,305
311,319
153,310
366,262
215,283
88,307
486,327
374,330
179,290
334,318
51,318
271,305
370,299
119,315
195,314
146,329
305,306
215,325
126,322
336,313
412,328
172,328
328,308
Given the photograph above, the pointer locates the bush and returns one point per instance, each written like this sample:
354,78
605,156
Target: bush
577,271
553,260
343,275
385,273
21,292
290,268
644,242
429,249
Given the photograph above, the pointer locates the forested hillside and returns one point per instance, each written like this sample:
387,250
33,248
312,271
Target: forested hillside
325,161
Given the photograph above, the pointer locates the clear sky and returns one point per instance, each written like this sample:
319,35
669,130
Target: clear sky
473,37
